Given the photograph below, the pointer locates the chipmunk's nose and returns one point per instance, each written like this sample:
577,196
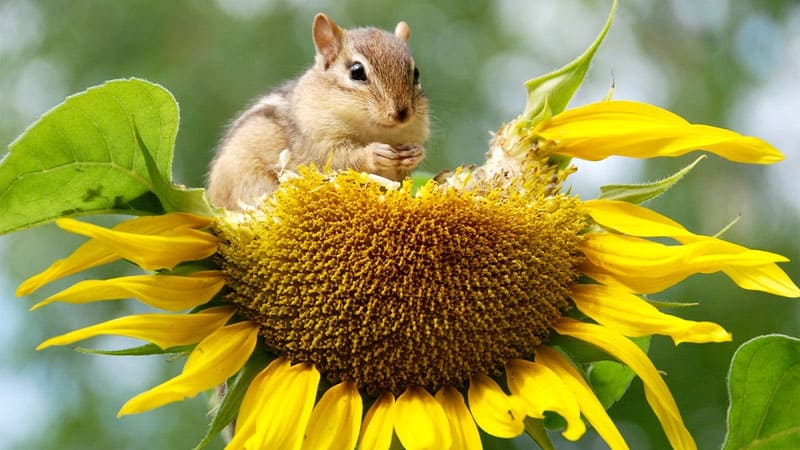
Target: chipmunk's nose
401,114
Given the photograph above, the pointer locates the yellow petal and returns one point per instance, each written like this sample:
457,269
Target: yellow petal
420,421
462,426
90,254
656,391
590,406
638,130
260,388
542,390
632,219
637,220
164,223
164,330
167,292
150,252
376,433
620,310
93,253
276,408
336,420
496,412
215,359
646,266
767,278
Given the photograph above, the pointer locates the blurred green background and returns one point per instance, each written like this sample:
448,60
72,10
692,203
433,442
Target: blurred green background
729,63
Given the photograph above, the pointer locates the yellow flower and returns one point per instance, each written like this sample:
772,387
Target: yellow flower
415,307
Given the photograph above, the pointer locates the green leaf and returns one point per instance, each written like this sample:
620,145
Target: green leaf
420,178
610,380
229,408
550,93
142,350
764,387
536,430
554,421
579,351
82,156
639,193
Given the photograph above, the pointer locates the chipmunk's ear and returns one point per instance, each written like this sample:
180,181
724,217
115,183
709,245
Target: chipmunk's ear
402,30
328,38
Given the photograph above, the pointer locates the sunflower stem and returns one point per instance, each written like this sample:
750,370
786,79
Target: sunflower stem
536,430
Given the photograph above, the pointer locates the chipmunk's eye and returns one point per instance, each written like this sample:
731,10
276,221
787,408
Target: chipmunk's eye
416,75
357,72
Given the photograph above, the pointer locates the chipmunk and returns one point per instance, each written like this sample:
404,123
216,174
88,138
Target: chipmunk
360,106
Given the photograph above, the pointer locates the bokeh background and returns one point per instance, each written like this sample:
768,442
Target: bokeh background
729,63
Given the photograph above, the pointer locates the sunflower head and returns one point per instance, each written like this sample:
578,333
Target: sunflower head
437,303
388,289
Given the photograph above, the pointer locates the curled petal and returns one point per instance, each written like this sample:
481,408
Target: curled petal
543,391
496,412
419,421
590,406
163,330
767,278
656,391
637,220
167,292
618,309
336,420
462,425
376,433
150,252
276,408
215,359
93,253
646,266
638,130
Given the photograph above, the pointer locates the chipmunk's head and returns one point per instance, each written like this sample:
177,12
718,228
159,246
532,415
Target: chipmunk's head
376,75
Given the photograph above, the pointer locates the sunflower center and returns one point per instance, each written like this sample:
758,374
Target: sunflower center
391,290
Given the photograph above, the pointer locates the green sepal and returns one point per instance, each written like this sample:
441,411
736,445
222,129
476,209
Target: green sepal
396,444
727,227
640,193
142,350
535,428
228,409
550,93
82,157
764,389
172,197
662,304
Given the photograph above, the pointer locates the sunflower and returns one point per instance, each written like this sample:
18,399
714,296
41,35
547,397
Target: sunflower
381,311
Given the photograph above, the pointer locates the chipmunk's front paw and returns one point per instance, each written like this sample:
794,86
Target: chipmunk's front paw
395,162
410,155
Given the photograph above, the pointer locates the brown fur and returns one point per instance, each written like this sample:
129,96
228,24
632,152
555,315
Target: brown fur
377,126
